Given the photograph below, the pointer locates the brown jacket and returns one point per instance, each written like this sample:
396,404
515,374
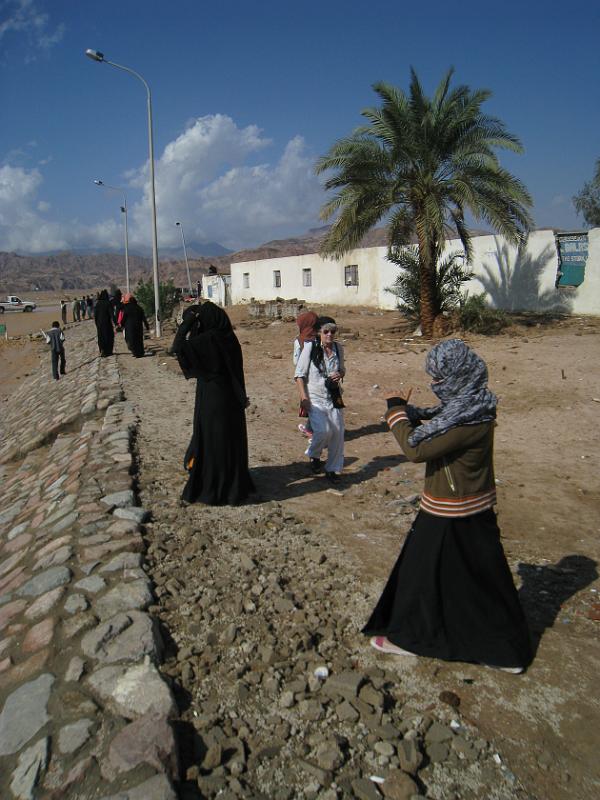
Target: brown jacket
459,472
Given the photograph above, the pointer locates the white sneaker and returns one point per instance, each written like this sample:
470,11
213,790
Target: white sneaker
511,670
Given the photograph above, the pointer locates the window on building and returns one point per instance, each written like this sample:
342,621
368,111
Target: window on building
210,292
276,278
351,275
307,277
246,280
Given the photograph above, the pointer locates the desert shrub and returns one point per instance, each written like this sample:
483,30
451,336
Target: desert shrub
474,314
168,295
450,274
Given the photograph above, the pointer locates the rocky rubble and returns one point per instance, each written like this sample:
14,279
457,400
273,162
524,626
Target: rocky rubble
84,710
280,695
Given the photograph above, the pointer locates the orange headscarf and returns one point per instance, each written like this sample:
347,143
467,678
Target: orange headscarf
306,324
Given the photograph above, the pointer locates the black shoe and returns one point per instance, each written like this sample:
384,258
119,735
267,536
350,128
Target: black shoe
332,477
316,465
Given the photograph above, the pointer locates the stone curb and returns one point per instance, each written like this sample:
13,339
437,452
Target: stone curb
84,709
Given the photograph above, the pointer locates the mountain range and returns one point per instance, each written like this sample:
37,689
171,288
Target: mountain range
73,271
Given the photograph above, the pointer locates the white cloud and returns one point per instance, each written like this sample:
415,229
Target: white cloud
23,226
205,178
24,17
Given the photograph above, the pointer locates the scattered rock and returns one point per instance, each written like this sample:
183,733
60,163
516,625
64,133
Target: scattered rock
399,786
364,789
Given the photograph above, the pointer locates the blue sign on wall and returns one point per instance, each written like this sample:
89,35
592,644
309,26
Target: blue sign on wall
572,251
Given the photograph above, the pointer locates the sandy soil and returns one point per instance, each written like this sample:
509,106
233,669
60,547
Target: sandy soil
547,465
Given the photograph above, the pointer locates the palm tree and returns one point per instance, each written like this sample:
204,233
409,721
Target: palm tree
420,164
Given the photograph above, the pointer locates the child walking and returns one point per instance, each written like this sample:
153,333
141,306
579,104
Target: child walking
55,338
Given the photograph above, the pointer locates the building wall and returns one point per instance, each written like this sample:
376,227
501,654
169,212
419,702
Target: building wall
214,288
512,280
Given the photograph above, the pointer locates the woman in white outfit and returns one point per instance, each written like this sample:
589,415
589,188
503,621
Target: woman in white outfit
319,372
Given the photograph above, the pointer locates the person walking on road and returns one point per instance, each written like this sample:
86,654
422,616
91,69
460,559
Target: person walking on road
133,323
56,338
217,457
63,311
319,373
104,325
451,594
76,309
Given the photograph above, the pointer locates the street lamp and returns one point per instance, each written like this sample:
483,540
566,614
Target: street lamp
123,211
187,266
95,55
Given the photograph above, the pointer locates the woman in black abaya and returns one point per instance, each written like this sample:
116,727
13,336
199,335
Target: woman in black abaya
217,456
104,325
133,323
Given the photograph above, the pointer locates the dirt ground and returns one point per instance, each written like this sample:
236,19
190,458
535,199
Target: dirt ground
547,467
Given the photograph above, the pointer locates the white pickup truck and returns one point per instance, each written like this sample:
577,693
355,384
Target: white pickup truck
14,303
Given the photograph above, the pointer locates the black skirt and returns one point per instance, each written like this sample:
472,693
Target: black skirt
219,473
451,595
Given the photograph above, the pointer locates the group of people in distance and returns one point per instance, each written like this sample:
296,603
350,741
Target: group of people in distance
450,594
122,312
80,308
109,313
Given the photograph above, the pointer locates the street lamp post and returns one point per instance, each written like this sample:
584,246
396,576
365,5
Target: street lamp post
187,266
123,211
95,55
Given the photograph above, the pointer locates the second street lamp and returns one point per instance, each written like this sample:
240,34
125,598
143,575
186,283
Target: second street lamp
96,55
123,211
187,266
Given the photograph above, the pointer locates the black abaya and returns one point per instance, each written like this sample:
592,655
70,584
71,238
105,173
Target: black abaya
133,323
451,595
217,456
104,325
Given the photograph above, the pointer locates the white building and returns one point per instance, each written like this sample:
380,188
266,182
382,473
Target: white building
524,281
217,288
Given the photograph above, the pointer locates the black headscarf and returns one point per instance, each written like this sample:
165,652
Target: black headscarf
208,326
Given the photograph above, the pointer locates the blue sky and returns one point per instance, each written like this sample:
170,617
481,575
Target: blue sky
247,95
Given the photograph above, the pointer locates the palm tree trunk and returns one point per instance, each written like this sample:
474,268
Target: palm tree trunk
427,288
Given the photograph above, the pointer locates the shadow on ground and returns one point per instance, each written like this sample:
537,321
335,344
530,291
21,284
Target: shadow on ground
546,587
284,481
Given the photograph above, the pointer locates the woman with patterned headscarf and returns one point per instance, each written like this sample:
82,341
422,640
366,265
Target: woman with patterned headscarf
451,594
217,457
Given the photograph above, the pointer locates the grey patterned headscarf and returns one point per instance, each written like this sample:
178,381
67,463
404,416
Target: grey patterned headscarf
461,385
